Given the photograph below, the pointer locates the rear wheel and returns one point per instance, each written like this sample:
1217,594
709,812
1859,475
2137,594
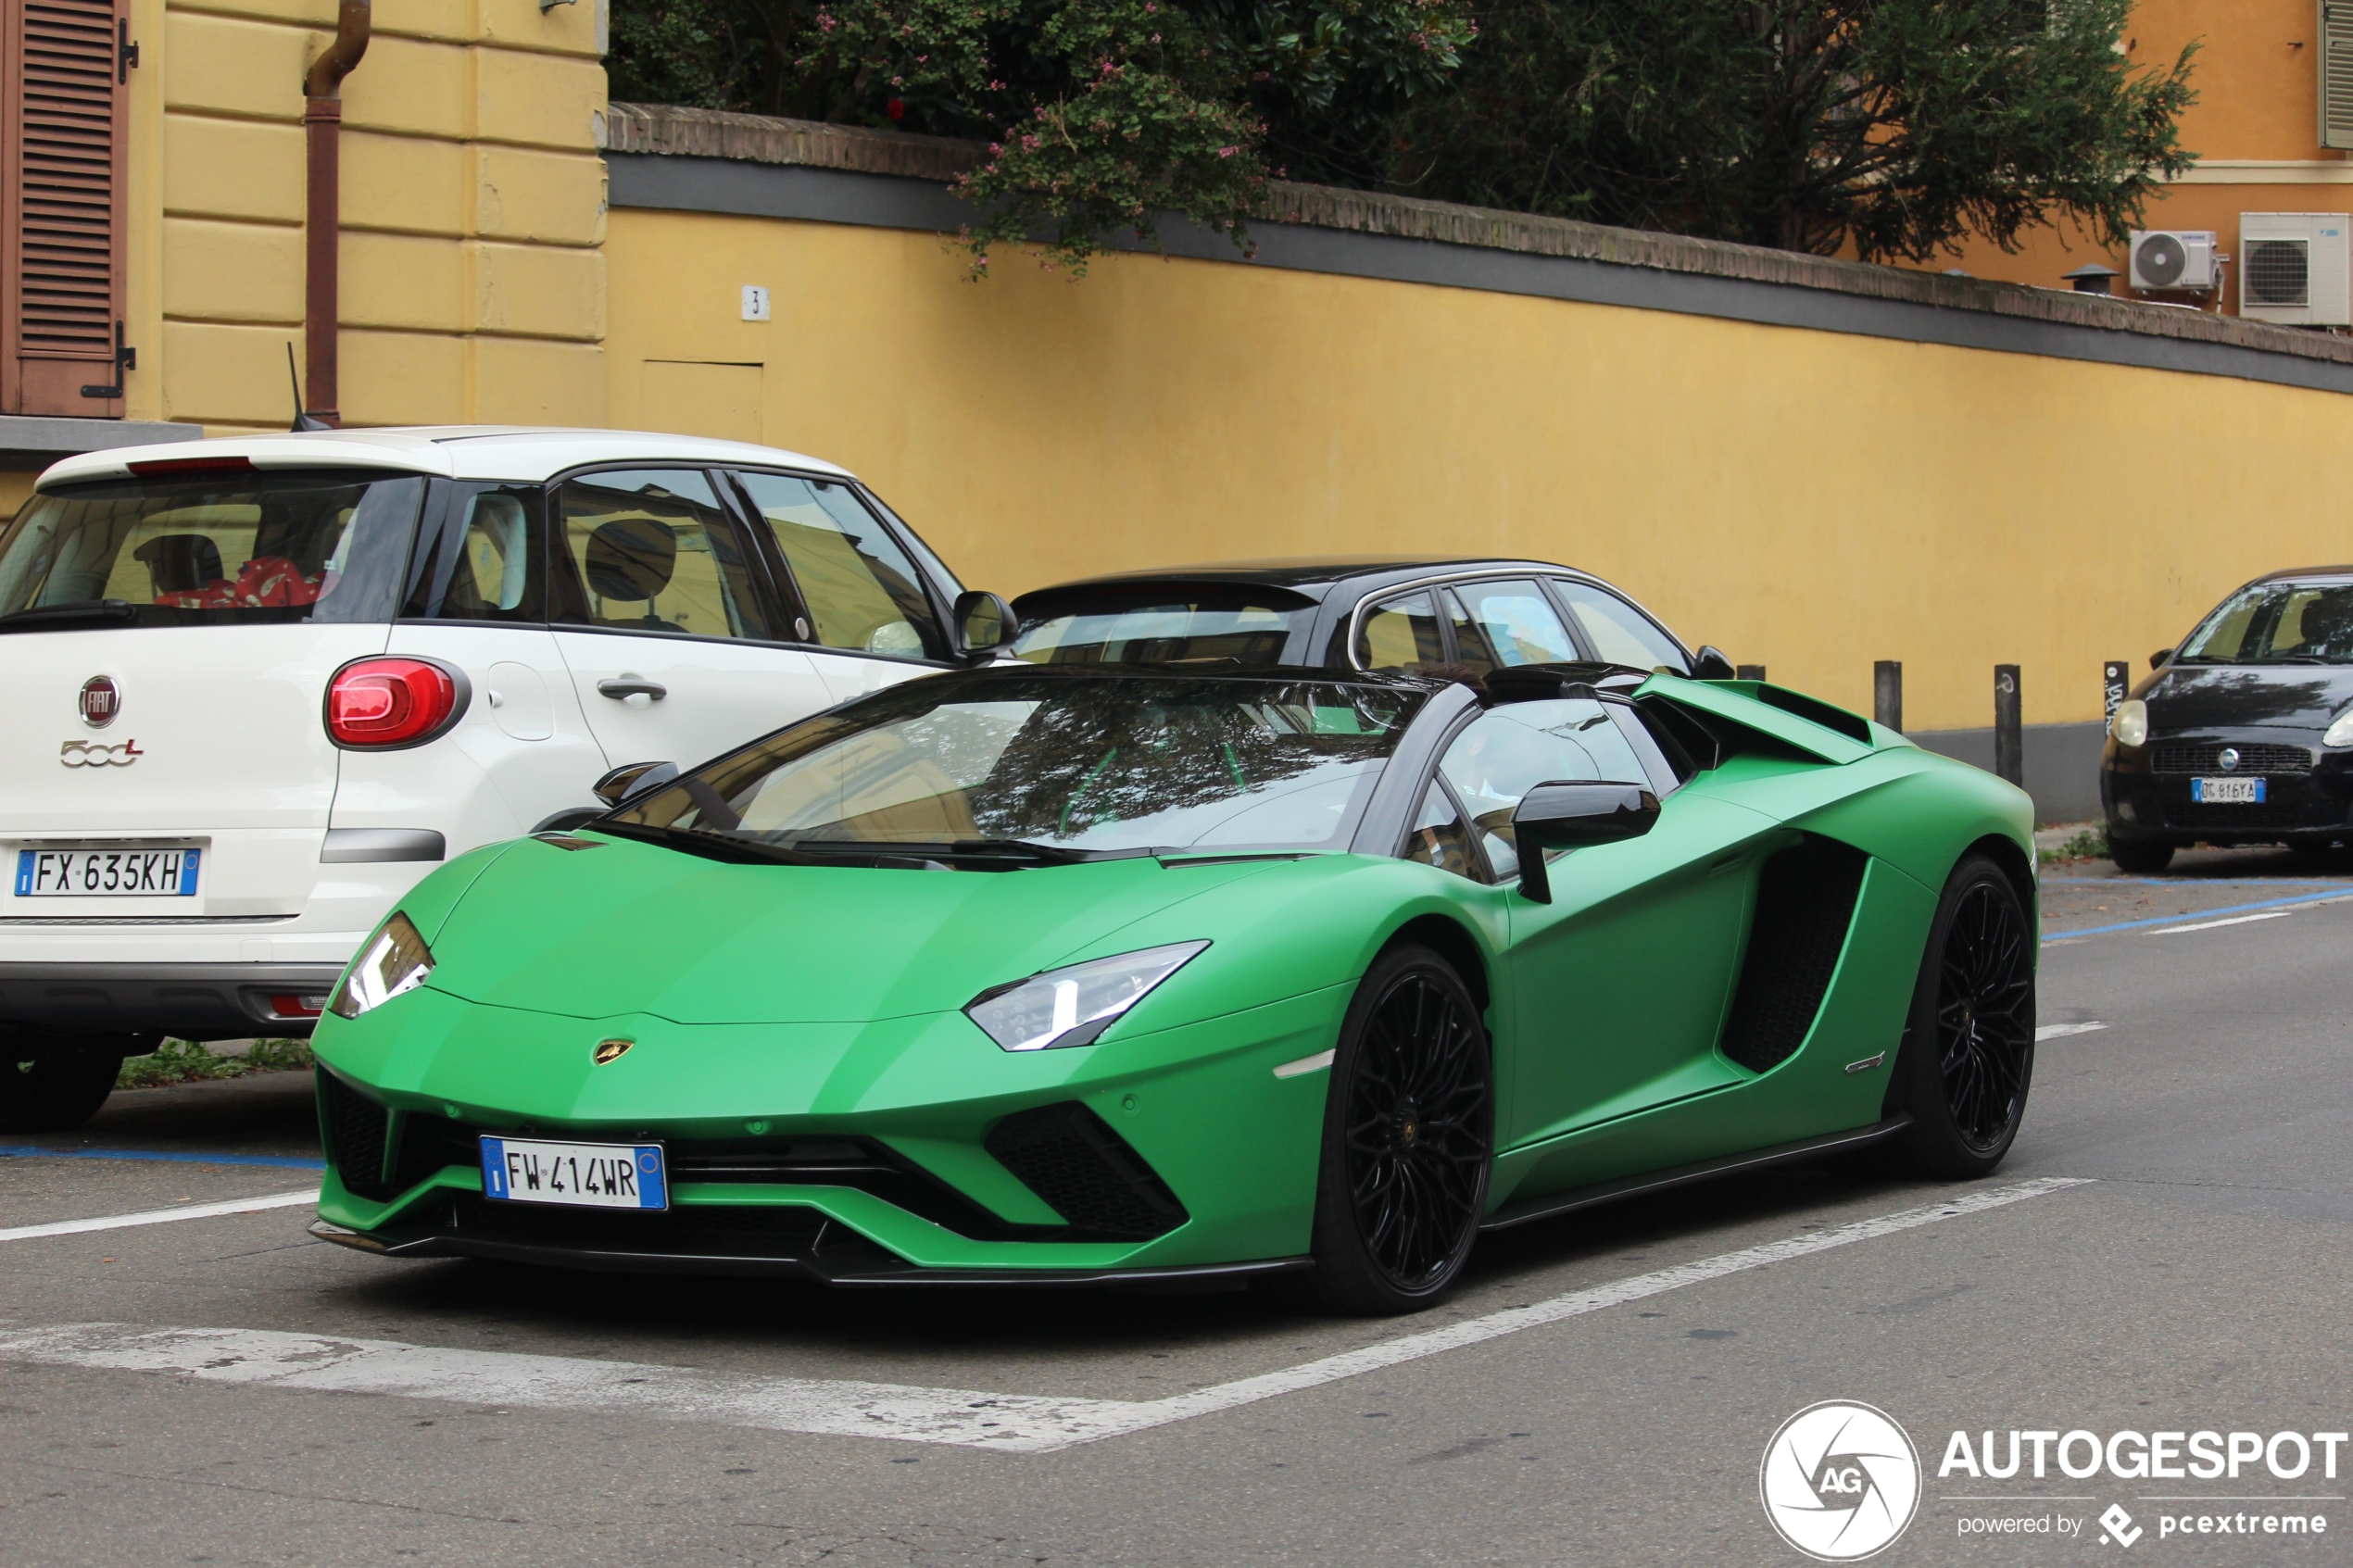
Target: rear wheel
1968,1057
1409,1127
55,1085
2142,857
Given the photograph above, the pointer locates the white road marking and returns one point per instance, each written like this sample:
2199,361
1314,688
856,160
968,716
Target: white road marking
2060,1031
1316,1064
1016,1423
2212,925
165,1216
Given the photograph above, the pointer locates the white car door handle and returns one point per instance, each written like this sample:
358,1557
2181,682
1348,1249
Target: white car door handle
625,687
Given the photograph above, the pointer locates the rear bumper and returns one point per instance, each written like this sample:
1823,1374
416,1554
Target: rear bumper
192,1001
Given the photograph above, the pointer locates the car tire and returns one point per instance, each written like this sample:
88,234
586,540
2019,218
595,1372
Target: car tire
56,1089
1409,1136
2141,857
1968,1057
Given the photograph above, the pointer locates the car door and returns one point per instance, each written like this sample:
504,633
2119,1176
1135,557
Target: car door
858,600
1615,990
667,621
1503,622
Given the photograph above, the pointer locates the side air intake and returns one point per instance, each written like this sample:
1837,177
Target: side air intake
354,1137
1804,904
1085,1171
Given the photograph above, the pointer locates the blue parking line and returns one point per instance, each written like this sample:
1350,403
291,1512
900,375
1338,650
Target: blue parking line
2195,915
283,1162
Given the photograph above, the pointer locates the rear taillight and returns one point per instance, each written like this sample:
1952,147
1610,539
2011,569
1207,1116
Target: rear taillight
155,466
379,703
297,1007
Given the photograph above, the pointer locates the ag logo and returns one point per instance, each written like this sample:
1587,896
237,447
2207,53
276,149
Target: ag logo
90,754
100,701
1840,1481
610,1051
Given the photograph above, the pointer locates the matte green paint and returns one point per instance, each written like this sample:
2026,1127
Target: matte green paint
828,999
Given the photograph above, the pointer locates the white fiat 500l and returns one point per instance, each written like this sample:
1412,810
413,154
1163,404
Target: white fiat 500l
259,687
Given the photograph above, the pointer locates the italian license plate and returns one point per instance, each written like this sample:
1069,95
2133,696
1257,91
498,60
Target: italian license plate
107,873
2227,792
577,1175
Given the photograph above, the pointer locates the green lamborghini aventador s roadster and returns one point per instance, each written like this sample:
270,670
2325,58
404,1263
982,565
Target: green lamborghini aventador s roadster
1077,973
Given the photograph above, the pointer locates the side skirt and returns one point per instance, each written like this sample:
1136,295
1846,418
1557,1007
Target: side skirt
1681,1175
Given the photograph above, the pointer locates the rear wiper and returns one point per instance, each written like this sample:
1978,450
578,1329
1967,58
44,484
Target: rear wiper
79,610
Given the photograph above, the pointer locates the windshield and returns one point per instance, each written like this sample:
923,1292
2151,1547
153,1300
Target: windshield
2278,623
233,549
1053,764
1234,629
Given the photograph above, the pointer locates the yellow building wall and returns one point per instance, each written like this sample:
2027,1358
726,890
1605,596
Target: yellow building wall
1811,501
473,214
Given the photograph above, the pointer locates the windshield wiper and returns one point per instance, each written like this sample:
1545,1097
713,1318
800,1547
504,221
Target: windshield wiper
79,610
966,849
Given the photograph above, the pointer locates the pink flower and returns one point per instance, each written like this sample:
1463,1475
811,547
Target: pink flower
1228,152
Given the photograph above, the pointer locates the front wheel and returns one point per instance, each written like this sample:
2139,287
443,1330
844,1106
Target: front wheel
1409,1132
1968,1055
2140,857
55,1089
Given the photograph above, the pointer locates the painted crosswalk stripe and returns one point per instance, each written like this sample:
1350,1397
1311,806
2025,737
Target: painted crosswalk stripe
962,1417
165,1216
2060,1031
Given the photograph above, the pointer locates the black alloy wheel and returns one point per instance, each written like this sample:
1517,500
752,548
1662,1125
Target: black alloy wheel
2140,857
1409,1136
1968,1057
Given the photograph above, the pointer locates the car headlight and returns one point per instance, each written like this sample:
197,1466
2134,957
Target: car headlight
396,960
2340,732
1071,1007
2130,726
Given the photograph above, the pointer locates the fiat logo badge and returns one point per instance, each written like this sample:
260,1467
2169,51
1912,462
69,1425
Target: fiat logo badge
100,701
610,1051
2229,760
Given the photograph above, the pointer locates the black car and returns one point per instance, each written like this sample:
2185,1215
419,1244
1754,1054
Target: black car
1402,613
2244,734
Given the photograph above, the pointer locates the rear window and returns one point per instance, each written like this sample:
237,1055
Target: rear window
1223,628
240,549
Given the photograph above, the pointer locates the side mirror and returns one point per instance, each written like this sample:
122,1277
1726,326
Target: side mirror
625,784
1570,816
2160,659
984,623
1712,663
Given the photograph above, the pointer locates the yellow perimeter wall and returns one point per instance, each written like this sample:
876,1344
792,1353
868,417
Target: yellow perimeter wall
1812,501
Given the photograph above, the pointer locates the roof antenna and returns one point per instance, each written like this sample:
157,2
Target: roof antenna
302,421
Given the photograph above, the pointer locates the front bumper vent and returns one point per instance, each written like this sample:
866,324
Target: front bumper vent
2255,759
355,1127
1086,1173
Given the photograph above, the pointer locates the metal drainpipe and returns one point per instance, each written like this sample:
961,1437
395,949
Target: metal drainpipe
323,126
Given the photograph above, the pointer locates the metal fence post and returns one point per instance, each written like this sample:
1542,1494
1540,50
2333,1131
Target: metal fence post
1749,672
2116,680
1887,694
2009,740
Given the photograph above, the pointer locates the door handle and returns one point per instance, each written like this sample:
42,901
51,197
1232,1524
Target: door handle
632,685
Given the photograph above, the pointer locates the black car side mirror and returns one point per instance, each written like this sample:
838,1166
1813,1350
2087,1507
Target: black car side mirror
984,623
1712,663
2160,659
626,783
1571,816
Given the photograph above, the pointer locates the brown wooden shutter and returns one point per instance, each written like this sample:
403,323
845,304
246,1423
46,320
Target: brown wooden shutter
62,208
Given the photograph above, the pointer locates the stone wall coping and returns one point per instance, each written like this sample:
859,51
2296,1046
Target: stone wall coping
672,130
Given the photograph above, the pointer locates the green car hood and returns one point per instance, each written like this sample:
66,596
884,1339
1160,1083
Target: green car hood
629,927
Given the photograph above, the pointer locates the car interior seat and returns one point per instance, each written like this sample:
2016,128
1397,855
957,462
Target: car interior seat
179,563
631,560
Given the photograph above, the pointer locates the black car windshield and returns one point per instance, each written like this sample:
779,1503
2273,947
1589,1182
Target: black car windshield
1051,766
2278,623
1230,628
237,547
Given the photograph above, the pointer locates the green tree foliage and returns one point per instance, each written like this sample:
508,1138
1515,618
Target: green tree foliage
1898,126
1097,114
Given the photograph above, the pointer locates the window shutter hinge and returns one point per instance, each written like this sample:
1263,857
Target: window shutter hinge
126,53
125,358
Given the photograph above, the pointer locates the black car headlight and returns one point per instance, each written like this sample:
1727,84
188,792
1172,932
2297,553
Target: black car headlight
1071,1007
2340,732
396,960
2130,726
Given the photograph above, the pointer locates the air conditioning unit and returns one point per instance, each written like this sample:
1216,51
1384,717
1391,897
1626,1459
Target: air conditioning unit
2296,268
2175,259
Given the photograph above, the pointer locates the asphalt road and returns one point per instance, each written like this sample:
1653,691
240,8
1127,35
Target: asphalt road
2190,1273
